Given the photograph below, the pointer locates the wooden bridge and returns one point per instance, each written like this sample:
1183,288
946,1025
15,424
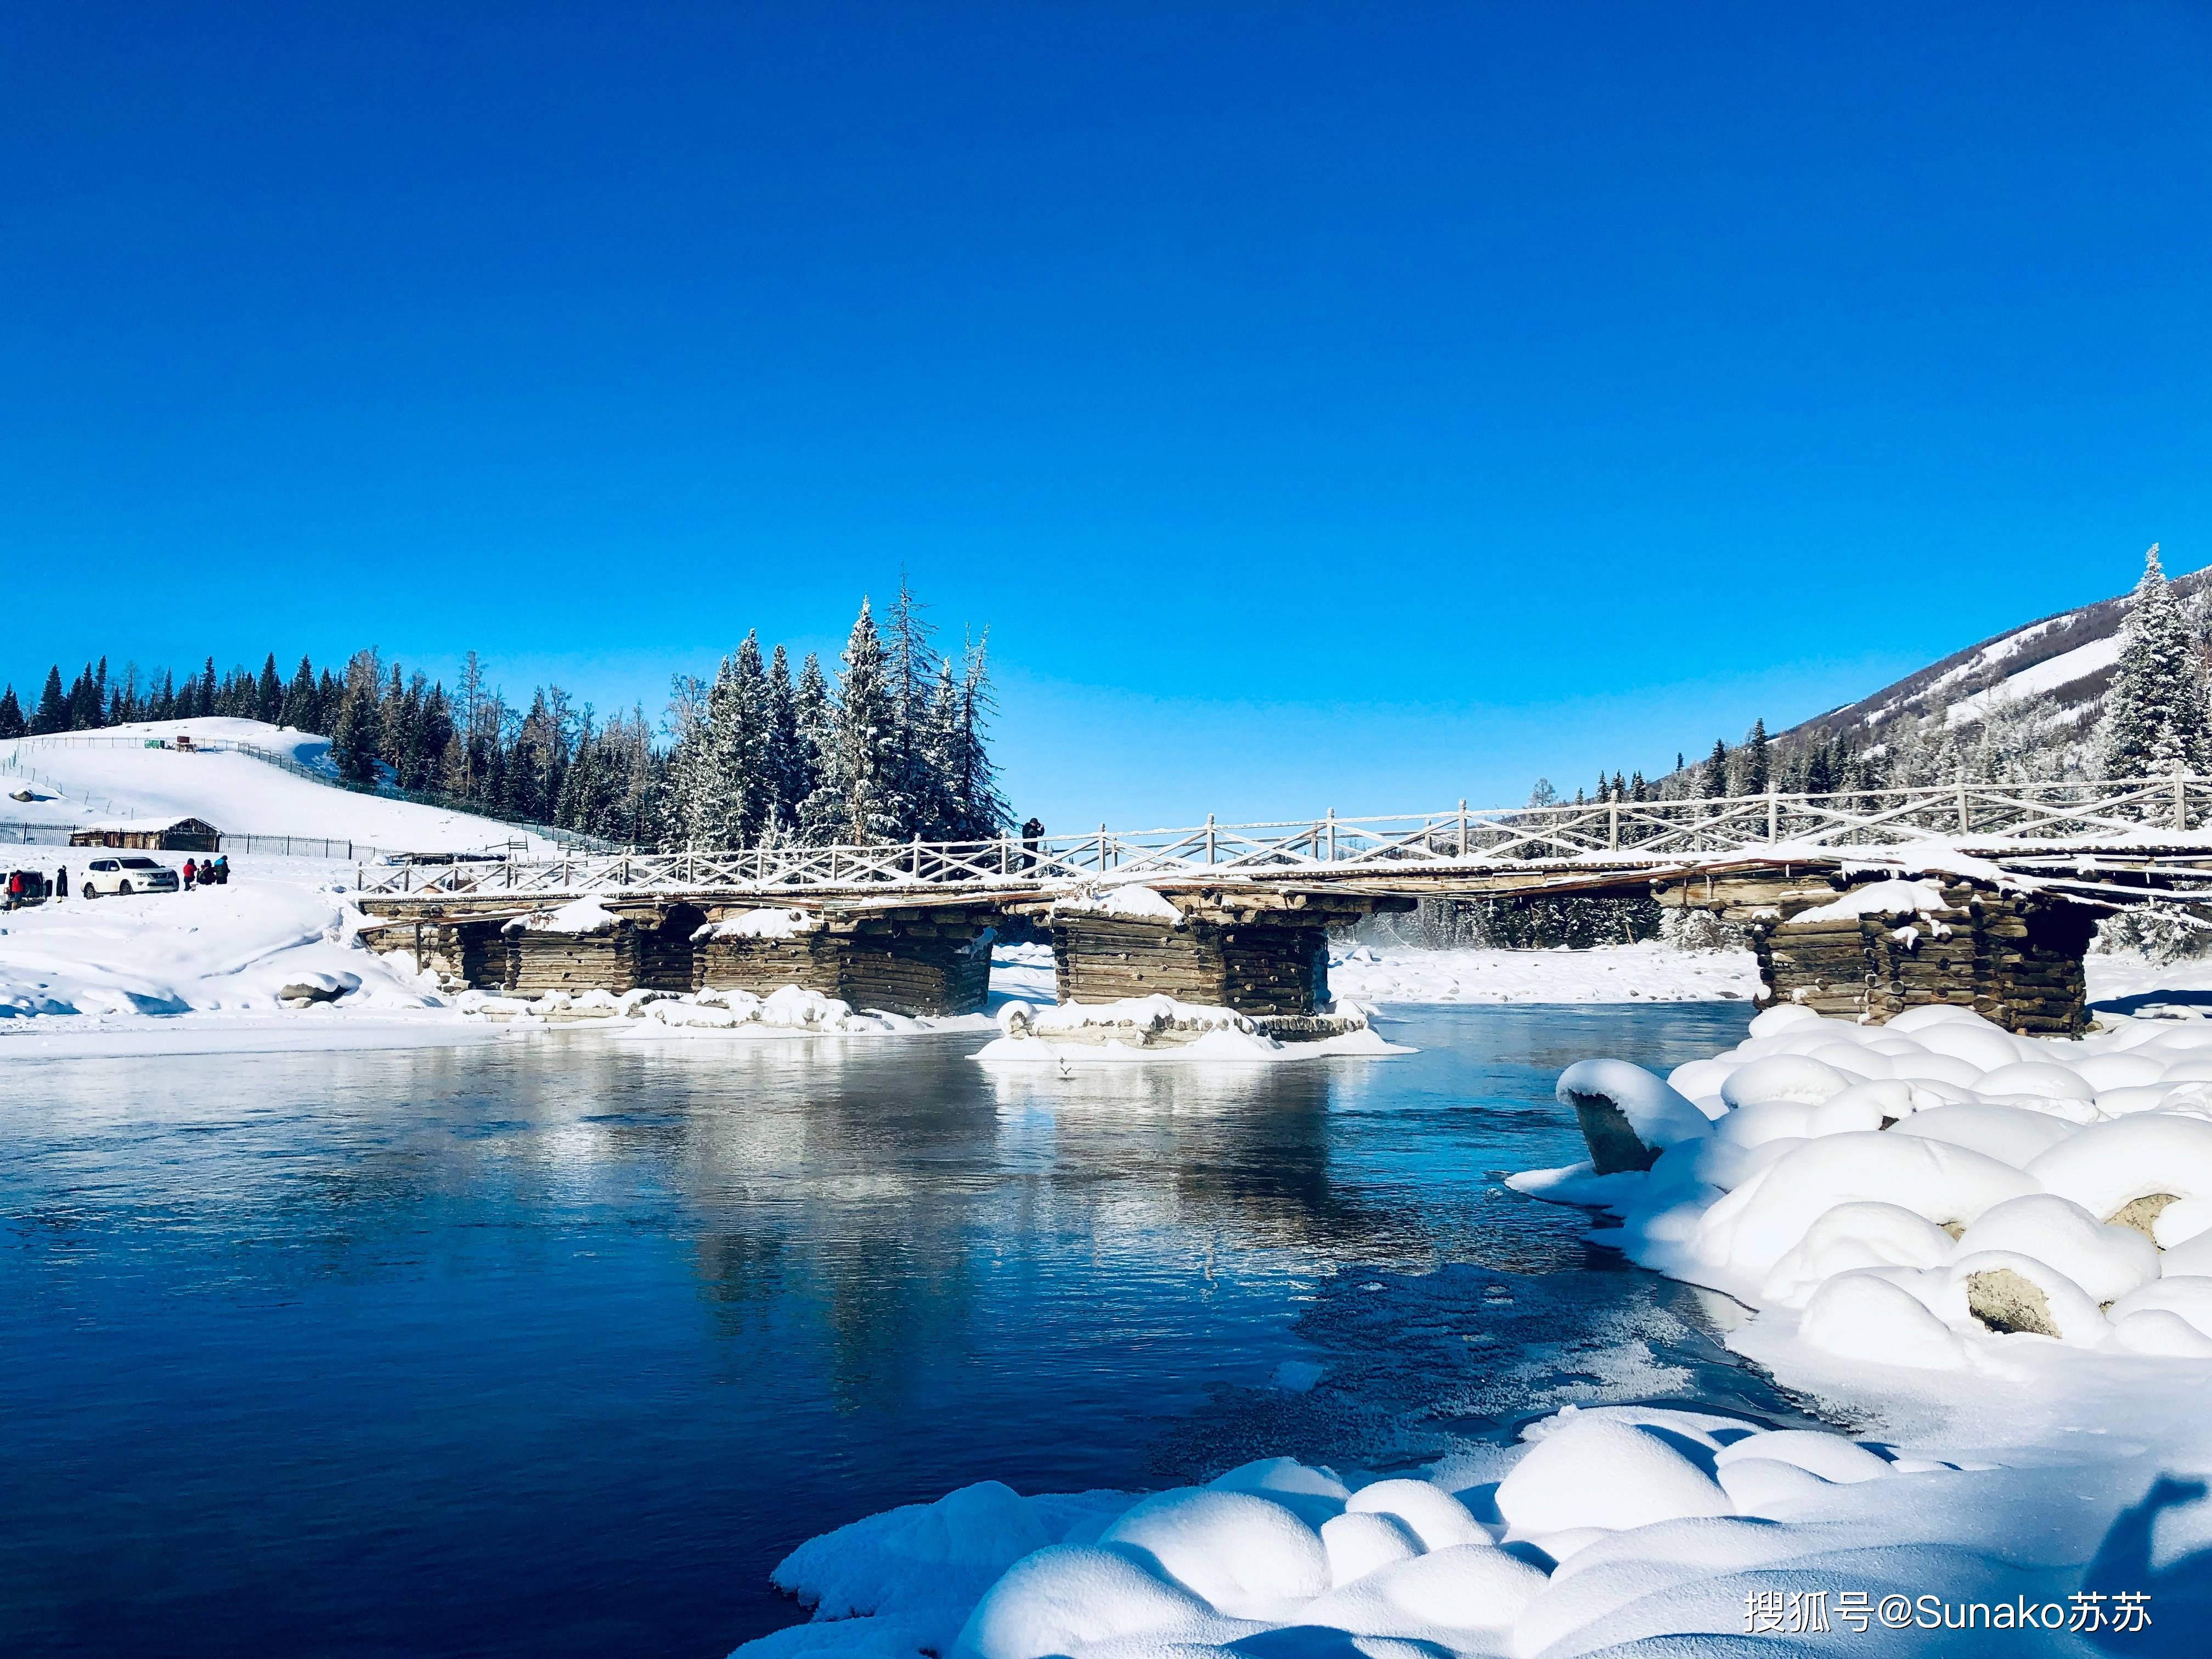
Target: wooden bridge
1241,911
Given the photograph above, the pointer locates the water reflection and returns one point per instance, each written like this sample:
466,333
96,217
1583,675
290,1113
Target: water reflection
555,1345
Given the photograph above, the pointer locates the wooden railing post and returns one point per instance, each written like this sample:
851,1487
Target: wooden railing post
1966,808
1462,827
2180,799
1613,826
1331,835
916,856
1209,838
1773,815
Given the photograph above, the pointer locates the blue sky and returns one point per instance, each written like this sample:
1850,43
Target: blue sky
1323,406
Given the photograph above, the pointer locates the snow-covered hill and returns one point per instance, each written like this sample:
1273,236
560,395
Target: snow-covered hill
101,777
2059,665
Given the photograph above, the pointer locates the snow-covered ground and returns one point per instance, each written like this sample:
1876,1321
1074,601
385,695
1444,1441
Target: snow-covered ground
1648,972
100,776
170,973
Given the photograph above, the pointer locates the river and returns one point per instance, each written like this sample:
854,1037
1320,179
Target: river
554,1344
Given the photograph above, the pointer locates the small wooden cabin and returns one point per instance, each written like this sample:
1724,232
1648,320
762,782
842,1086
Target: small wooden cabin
151,836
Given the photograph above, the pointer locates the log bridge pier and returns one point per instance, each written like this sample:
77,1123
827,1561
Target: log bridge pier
1260,950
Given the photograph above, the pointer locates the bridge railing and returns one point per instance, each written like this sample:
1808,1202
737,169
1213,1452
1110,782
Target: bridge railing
2103,812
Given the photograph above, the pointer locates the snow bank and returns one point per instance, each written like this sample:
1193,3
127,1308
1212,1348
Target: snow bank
1645,972
267,961
1600,1526
1156,1028
788,1008
1919,1221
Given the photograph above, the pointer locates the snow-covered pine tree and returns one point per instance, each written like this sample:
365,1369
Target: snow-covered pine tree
2155,715
937,815
910,656
971,781
738,714
860,769
690,773
781,759
53,713
814,711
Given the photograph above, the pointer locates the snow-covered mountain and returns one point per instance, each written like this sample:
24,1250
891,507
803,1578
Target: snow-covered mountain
2057,668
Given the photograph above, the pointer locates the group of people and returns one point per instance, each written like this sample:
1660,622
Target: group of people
29,886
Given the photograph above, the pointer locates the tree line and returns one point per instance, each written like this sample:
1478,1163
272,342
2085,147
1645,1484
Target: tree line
893,744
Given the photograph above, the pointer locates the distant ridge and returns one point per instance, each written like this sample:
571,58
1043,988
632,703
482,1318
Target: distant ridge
2063,663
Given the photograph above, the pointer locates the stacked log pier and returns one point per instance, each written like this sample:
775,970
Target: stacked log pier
2013,956
905,959
917,962
1263,952
544,961
762,965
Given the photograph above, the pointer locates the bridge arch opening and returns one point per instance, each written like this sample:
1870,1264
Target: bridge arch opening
668,961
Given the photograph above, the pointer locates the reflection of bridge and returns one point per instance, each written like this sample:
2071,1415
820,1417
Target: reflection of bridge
1245,904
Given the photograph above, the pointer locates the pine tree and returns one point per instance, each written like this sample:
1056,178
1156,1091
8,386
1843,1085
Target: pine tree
298,711
911,677
53,713
690,764
1756,767
1714,782
815,708
354,741
2154,714
268,693
739,715
859,771
977,810
788,780
11,715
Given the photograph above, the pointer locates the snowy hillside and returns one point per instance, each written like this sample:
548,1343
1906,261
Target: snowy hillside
2059,665
110,774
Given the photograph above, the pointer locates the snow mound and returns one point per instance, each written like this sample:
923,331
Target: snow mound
1920,1223
580,916
1599,1509
1134,903
1156,1028
763,924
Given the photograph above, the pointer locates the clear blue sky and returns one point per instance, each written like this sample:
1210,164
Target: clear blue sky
1324,405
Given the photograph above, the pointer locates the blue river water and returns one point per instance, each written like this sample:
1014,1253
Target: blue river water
554,1345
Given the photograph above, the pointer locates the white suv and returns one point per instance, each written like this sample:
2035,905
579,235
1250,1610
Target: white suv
126,876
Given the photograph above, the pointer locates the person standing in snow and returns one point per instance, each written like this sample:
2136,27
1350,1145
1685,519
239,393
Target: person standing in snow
61,883
222,869
191,871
